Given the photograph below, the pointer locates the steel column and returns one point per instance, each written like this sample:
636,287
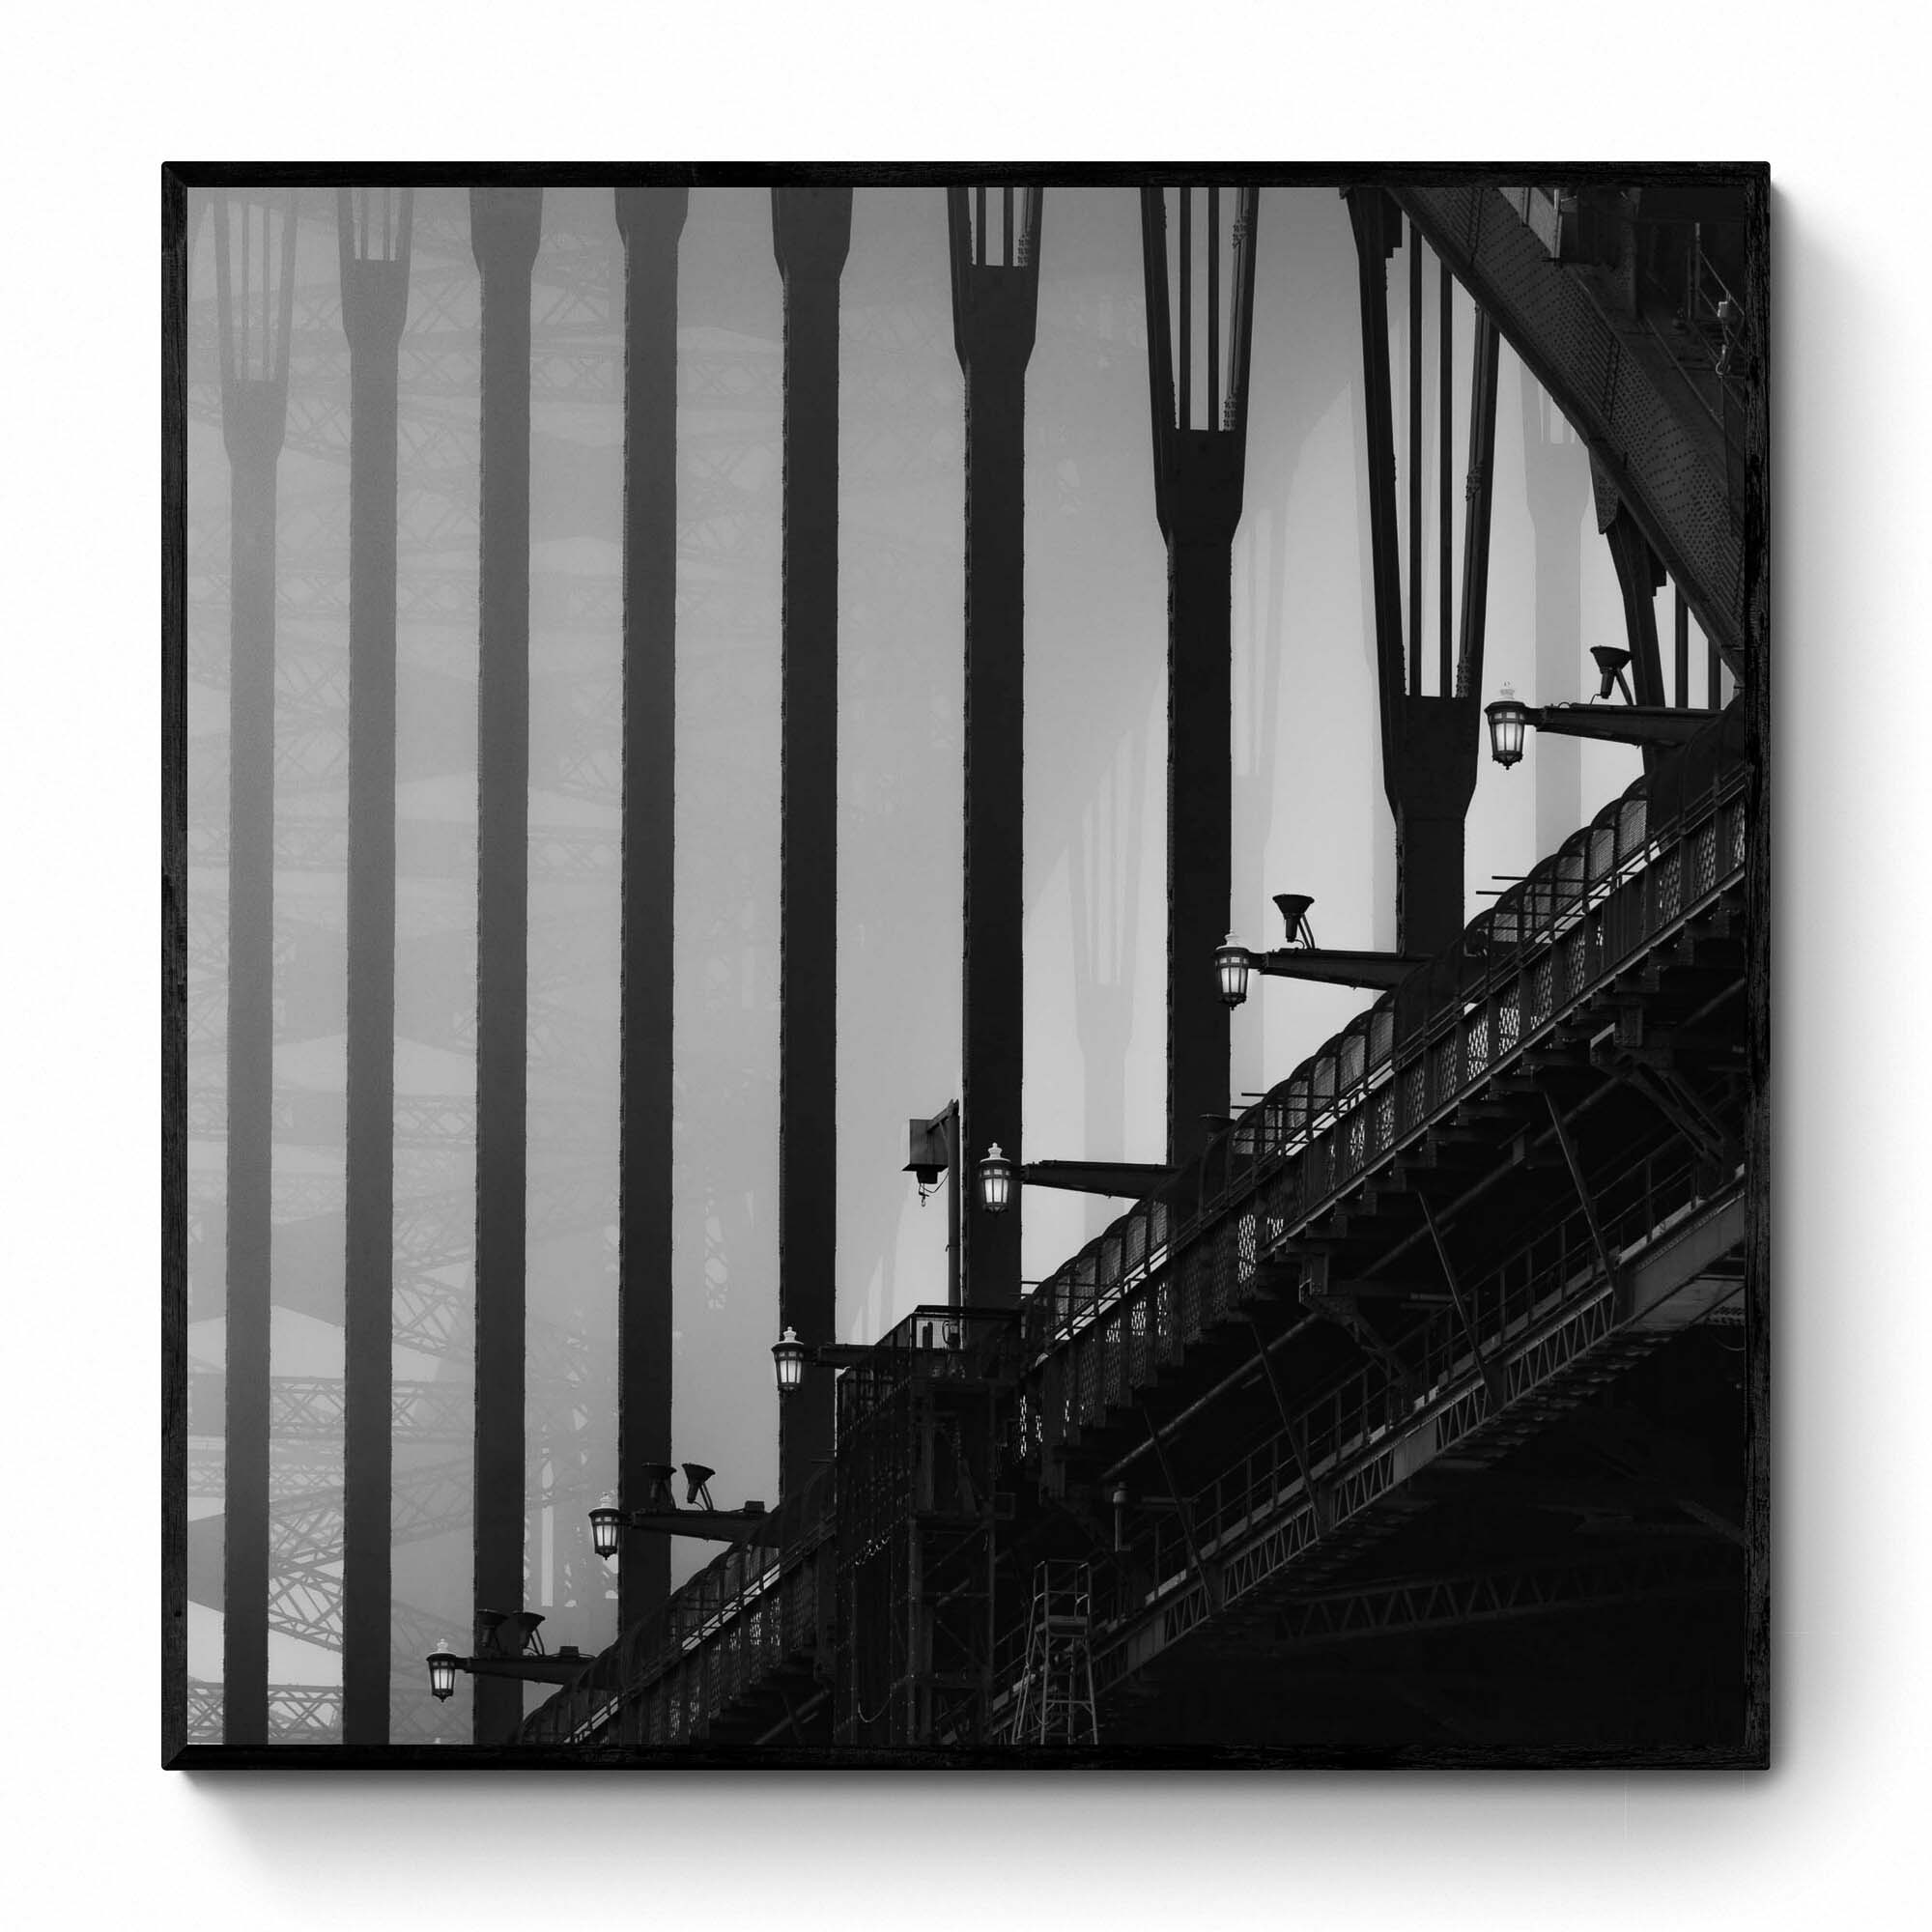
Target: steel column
1199,818
1429,744
375,300
1197,481
650,221
993,314
1680,638
1479,494
505,225
1377,228
811,229
254,409
1640,578
1556,476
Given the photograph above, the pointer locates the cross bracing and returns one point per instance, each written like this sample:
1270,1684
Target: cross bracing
312,1713
308,1409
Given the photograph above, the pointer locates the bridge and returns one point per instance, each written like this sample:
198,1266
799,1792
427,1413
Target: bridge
1406,1413
1430,1274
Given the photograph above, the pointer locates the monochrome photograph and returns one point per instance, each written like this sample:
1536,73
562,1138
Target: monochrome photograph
966,968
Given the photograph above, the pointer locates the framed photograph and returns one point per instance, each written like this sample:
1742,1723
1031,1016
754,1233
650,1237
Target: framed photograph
965,970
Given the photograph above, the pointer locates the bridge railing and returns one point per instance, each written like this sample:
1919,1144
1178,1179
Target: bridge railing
1176,1264
1553,1268
720,1614
931,1344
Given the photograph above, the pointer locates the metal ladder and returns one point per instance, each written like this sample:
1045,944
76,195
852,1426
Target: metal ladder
1055,1705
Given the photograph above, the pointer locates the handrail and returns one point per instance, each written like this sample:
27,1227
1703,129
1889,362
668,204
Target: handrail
1429,1038
727,1589
1649,859
709,1608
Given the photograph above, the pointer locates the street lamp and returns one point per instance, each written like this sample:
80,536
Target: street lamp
1508,718
791,1357
1122,1179
507,1645
1230,969
607,1520
1302,959
1628,723
996,1180
788,1356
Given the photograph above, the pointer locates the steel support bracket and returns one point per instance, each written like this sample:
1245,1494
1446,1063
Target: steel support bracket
1211,1578
1492,1378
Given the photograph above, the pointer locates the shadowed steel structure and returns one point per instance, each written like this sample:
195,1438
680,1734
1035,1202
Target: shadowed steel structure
255,289
1199,457
650,221
1640,578
1429,740
1539,1266
1435,1338
995,304
505,223
373,242
812,230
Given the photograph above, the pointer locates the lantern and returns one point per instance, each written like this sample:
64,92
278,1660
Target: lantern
1230,969
442,1663
788,1357
605,1521
1507,718
996,1180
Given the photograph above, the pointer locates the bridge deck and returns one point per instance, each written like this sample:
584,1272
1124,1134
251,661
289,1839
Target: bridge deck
1555,977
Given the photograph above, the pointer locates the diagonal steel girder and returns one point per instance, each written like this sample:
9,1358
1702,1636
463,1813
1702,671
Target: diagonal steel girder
1616,401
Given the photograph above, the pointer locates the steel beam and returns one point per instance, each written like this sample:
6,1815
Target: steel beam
650,221
1122,1179
1210,1580
1493,1380
1411,1605
812,230
505,225
1336,966
1606,383
1657,727
994,307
